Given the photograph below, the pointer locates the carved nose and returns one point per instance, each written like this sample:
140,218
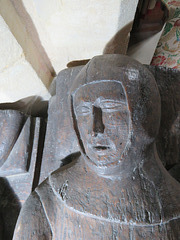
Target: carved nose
98,126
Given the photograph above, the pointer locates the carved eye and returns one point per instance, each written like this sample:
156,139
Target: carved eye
83,110
114,112
112,106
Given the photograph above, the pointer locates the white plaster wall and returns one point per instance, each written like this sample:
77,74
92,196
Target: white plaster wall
79,29
10,51
17,77
21,26
44,34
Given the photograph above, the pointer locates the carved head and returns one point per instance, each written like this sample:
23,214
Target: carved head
102,116
116,106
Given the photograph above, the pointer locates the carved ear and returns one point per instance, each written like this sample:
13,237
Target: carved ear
11,123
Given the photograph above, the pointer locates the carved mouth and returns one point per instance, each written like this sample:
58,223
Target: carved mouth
99,148
102,148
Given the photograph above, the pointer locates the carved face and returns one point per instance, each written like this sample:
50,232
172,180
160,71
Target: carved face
102,119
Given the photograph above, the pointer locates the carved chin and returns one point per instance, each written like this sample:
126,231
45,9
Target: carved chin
101,159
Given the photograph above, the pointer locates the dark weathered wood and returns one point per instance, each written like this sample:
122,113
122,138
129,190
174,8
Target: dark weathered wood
9,209
20,138
168,141
117,187
61,140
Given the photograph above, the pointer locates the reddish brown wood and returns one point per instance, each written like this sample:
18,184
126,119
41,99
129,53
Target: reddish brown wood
117,187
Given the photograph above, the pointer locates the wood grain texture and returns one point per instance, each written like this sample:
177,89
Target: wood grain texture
61,140
20,139
91,197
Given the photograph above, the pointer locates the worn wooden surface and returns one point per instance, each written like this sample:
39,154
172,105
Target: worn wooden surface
100,195
61,140
168,140
19,156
